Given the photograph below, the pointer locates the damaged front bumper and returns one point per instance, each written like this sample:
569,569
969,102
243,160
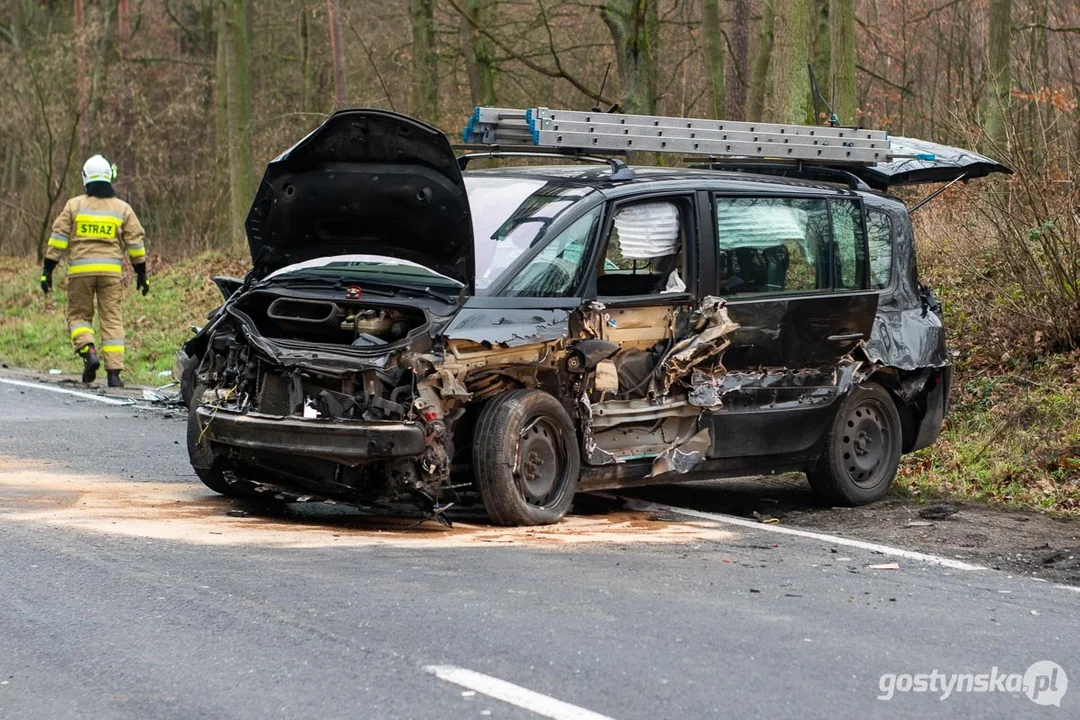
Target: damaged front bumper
346,442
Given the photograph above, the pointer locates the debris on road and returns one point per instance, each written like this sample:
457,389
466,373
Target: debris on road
885,566
938,511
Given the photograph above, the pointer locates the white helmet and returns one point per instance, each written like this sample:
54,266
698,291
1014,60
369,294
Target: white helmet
98,169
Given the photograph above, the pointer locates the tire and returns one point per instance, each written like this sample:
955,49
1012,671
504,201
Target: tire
209,468
862,449
526,460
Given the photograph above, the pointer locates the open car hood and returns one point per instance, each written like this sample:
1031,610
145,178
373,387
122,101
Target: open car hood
365,182
947,164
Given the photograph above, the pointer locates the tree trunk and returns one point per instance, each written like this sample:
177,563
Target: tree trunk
476,47
789,99
425,86
820,53
337,52
999,80
238,72
842,61
714,57
735,84
759,83
634,25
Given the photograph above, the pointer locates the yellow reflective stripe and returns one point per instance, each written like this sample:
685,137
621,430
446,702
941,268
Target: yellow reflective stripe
78,330
58,243
105,347
95,268
136,251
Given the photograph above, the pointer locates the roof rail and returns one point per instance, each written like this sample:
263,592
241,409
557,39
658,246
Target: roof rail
619,169
611,132
798,171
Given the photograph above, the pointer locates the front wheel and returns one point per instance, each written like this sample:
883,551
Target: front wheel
862,449
525,458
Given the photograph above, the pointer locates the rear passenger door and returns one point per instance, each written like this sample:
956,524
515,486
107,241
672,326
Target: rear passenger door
795,273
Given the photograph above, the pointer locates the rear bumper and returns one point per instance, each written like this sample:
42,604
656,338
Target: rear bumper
342,441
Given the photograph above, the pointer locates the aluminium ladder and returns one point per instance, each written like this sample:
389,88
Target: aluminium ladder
569,130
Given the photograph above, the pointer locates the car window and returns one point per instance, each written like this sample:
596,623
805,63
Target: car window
643,253
850,245
879,234
510,215
556,270
771,245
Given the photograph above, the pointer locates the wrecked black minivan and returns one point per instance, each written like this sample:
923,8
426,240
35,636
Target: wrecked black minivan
410,331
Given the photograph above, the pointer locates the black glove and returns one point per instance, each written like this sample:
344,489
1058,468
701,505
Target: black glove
46,275
141,283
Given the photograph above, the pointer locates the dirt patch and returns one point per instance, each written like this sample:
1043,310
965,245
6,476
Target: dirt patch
1019,542
190,513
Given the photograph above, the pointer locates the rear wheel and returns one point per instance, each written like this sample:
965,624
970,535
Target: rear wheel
862,449
525,458
209,467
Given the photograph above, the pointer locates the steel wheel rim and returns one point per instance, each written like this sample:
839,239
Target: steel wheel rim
540,465
867,444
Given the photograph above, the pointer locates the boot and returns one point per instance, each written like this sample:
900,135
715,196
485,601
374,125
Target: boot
90,363
114,378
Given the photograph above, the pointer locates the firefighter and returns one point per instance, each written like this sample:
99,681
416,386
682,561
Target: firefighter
95,230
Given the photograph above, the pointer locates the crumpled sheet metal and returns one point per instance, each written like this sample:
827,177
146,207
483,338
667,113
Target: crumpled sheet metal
695,349
683,457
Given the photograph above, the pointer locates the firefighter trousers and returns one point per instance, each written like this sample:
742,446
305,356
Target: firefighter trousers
105,289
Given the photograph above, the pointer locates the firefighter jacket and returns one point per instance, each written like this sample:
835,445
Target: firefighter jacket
95,233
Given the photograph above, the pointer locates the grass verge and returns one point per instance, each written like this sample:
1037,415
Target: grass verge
34,332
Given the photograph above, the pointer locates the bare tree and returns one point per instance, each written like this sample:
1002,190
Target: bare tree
476,47
790,94
759,83
736,79
425,64
634,26
999,80
337,52
842,60
714,56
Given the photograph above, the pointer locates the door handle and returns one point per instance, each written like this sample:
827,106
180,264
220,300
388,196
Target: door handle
846,338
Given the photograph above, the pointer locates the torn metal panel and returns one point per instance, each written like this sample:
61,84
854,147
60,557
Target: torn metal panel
711,337
683,457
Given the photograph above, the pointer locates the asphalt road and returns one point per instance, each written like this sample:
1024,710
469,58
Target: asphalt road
114,612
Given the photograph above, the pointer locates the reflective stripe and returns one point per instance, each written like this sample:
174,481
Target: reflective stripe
112,346
94,265
136,251
58,240
80,329
98,177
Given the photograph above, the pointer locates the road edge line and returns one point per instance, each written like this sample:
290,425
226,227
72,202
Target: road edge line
512,694
643,506
65,391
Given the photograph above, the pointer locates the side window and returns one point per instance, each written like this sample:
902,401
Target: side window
771,245
556,269
644,251
849,245
879,232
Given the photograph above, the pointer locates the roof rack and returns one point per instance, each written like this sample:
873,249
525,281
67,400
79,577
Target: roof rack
561,130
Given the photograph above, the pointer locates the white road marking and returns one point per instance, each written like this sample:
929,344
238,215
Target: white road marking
65,391
642,506
513,694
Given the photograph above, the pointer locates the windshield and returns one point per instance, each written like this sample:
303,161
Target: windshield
369,268
510,215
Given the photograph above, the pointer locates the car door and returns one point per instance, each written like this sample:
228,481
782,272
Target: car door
795,273
643,288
